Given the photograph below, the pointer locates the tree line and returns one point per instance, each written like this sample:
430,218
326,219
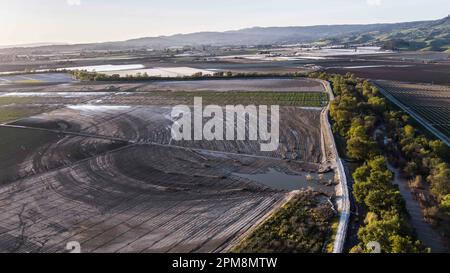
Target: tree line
374,133
84,75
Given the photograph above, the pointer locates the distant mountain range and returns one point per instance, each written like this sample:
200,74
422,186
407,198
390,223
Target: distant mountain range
426,35
31,45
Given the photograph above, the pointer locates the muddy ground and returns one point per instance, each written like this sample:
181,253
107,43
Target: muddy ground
135,199
299,133
108,175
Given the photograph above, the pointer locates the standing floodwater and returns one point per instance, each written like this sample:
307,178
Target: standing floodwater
301,180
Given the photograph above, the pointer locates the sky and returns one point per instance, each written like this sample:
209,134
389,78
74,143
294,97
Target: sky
82,21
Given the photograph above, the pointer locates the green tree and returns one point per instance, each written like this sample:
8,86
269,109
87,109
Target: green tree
440,149
404,244
359,145
440,180
409,131
372,176
377,103
388,230
445,204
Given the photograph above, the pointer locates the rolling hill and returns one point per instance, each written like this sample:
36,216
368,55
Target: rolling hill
430,35
420,35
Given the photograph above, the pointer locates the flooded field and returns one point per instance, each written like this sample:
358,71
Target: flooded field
299,134
36,78
52,94
163,72
98,165
299,180
105,67
298,54
226,85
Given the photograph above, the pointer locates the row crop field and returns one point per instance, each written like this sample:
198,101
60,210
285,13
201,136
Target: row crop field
304,99
259,98
430,102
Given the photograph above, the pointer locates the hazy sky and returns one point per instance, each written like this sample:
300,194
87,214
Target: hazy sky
74,21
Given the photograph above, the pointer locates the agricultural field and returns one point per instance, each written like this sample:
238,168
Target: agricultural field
40,78
150,124
430,102
303,99
10,113
130,200
96,164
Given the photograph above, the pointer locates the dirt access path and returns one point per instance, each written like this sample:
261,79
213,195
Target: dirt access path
331,158
425,232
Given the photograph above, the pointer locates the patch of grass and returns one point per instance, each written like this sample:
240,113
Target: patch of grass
7,115
28,82
15,100
300,226
333,232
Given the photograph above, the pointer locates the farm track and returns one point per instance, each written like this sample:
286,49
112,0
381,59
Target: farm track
425,232
331,157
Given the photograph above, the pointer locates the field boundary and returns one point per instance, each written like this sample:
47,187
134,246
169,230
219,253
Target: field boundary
229,246
342,192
